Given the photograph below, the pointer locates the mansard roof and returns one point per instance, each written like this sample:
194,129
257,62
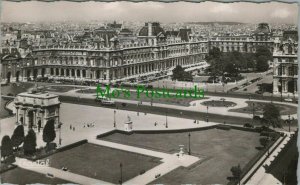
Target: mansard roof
156,29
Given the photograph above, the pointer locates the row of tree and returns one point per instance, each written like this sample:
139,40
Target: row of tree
234,62
181,75
9,145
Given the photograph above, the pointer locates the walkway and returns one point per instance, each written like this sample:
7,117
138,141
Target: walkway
169,161
260,176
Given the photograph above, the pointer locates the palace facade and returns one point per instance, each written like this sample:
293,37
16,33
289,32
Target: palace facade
286,65
115,54
107,60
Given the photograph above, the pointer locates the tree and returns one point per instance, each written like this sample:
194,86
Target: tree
262,55
264,141
271,115
18,136
262,63
181,75
213,53
49,132
6,147
29,145
236,172
263,51
177,73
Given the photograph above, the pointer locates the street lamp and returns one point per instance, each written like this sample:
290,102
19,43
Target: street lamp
166,119
252,113
121,177
60,139
115,118
289,123
207,113
189,143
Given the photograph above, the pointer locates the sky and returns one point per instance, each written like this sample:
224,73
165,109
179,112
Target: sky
33,11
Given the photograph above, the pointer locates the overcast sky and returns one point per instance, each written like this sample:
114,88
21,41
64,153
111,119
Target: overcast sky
32,11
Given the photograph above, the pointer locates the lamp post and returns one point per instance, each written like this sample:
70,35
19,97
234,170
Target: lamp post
207,113
189,143
166,119
289,123
121,177
115,118
252,113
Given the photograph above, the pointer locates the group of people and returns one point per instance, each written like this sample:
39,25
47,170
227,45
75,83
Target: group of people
88,125
72,128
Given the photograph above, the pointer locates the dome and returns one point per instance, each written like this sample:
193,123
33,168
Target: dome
263,28
155,28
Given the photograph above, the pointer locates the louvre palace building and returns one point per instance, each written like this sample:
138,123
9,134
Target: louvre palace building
115,54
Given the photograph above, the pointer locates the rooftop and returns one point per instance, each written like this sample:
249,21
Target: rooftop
40,95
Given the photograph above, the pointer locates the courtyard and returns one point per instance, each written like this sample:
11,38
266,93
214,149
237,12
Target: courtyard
220,149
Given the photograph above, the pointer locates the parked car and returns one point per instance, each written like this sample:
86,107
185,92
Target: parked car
288,99
258,92
105,101
248,125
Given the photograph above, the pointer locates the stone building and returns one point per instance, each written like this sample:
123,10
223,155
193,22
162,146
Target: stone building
115,61
262,36
34,110
286,65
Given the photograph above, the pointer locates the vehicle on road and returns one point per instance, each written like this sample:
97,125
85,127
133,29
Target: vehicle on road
105,101
248,125
288,99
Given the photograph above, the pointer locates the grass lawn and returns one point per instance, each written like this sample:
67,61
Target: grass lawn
221,150
22,176
183,101
258,108
218,103
102,163
60,88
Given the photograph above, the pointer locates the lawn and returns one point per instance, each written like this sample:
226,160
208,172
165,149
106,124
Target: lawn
258,108
22,176
144,98
218,103
60,88
220,149
102,163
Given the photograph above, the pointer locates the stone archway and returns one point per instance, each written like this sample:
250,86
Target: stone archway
17,76
21,120
35,73
30,119
8,77
28,74
291,86
43,72
39,124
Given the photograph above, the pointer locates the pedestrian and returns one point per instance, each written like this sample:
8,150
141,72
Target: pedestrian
70,127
